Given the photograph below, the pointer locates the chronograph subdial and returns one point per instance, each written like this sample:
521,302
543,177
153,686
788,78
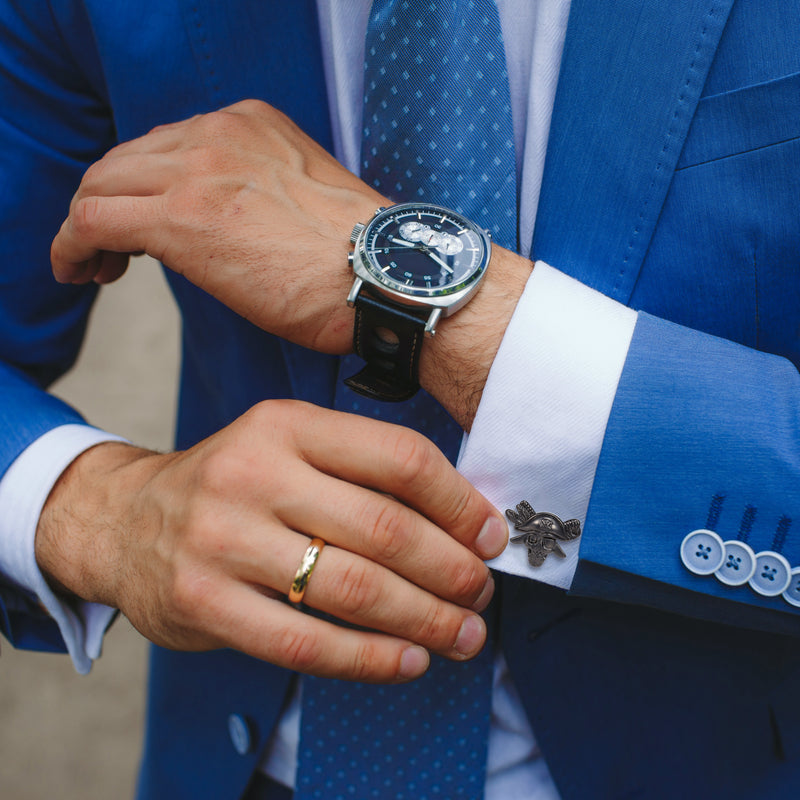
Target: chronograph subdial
445,243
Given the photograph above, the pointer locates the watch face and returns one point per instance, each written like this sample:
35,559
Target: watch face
424,251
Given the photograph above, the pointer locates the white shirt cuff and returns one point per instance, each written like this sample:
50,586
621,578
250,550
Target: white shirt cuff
540,424
23,491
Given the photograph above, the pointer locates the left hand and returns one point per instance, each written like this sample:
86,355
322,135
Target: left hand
242,203
250,209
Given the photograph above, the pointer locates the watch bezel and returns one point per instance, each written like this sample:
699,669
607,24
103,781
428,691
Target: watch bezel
449,298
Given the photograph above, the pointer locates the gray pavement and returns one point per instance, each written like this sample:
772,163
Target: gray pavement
64,736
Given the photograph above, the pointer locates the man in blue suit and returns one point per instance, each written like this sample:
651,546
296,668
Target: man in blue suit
670,187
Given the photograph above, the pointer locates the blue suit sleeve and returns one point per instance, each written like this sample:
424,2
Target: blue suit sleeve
53,124
703,434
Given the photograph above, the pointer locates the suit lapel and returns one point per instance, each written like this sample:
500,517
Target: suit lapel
631,75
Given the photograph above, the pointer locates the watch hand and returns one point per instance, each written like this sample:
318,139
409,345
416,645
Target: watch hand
385,248
443,264
422,248
402,242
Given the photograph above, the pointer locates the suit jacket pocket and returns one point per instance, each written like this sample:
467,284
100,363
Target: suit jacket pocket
743,120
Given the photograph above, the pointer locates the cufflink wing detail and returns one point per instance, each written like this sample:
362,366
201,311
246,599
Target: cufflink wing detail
541,532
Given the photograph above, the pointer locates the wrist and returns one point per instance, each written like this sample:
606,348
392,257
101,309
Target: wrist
455,363
79,534
431,310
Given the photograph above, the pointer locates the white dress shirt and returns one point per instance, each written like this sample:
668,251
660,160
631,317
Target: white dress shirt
540,445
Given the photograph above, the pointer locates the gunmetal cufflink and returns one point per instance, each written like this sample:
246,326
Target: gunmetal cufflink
541,532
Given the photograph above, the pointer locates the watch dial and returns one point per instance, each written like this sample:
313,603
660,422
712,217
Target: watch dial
424,250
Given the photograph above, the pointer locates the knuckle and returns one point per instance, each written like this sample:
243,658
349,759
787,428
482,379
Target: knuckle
365,662
272,422
466,581
86,216
460,509
250,105
285,420
358,591
156,129
210,123
301,650
438,627
268,413
389,536
94,173
412,457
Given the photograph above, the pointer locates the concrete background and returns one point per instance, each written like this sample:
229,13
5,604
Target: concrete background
63,735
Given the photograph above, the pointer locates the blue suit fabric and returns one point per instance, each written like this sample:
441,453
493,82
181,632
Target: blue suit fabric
671,184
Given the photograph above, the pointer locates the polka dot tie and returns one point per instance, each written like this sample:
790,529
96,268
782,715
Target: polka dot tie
419,741
437,128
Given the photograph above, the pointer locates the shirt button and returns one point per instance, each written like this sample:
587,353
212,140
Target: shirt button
739,564
792,593
773,574
702,552
241,734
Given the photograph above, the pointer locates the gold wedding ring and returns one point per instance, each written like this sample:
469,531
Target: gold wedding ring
303,574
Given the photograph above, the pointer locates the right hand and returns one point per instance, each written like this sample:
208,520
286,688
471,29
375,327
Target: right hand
198,548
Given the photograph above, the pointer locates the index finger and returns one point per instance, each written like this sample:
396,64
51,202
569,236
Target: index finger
97,224
403,463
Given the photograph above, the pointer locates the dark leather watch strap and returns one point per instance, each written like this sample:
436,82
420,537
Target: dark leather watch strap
388,337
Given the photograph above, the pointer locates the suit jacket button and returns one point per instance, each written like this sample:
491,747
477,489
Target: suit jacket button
739,564
792,593
702,552
773,574
241,733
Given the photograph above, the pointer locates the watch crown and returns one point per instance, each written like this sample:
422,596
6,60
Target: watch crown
356,232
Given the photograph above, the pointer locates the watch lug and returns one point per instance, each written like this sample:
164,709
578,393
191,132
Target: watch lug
433,321
354,290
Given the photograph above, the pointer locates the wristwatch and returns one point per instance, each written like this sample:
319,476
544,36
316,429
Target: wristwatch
414,263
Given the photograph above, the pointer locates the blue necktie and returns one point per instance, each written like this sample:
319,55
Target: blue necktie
437,128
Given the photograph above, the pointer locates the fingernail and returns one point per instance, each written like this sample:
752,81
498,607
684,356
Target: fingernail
485,596
471,636
492,538
413,663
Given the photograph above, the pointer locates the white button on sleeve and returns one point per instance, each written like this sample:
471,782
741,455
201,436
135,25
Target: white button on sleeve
773,574
792,593
739,564
702,552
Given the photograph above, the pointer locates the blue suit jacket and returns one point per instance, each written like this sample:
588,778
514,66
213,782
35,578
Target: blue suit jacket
672,184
